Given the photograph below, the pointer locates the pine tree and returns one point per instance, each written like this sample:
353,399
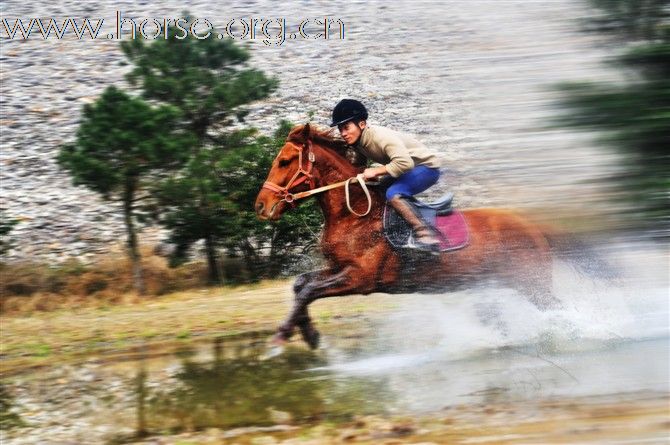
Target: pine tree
6,226
225,181
210,82
634,116
121,141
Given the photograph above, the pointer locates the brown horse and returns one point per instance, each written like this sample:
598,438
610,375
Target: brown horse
359,259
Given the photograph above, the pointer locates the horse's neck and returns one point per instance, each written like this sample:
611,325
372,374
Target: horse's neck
333,202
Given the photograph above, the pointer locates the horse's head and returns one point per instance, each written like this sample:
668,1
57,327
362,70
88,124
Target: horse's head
300,165
291,172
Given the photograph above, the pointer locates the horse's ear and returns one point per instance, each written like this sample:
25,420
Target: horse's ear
305,132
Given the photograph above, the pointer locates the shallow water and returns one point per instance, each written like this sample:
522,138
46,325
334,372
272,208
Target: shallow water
210,389
488,345
485,347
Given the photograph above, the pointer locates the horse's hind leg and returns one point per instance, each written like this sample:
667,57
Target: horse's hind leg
541,295
535,281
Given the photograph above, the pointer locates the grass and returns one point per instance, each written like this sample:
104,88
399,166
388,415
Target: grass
41,338
107,280
183,335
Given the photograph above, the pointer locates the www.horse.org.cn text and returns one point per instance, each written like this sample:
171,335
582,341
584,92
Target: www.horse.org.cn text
271,31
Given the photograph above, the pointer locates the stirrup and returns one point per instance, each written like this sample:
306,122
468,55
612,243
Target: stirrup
413,243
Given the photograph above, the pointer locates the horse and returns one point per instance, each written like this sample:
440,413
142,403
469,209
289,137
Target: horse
358,258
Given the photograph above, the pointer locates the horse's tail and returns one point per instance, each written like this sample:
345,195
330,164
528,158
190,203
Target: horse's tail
582,255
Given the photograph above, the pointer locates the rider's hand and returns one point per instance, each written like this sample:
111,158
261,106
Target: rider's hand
369,173
373,172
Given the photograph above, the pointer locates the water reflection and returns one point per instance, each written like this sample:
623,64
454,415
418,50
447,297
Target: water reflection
8,418
451,359
237,388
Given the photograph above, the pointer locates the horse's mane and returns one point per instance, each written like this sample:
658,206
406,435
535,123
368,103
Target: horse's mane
324,137
329,140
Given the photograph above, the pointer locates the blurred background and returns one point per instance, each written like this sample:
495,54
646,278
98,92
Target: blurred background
131,167
560,108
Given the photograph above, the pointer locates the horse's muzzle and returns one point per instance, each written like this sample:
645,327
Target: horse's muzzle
259,208
266,212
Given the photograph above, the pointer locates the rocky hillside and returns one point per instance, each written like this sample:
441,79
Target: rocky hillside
471,78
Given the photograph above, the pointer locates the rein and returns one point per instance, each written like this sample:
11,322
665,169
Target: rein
296,179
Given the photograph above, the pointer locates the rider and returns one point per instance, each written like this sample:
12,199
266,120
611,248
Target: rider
414,167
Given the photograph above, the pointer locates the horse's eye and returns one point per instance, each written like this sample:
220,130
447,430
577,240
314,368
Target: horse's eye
284,162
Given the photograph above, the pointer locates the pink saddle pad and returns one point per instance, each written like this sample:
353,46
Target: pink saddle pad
454,231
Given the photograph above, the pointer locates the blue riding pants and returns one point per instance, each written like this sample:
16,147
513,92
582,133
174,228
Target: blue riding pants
414,181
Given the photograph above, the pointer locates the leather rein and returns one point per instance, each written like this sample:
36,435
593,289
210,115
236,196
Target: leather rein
307,176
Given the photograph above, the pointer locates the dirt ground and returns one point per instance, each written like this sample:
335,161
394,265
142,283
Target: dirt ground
45,338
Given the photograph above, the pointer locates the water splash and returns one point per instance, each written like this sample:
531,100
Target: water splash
607,338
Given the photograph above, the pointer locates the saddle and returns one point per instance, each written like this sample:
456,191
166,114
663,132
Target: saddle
448,223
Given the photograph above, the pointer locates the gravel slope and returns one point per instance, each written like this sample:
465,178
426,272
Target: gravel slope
470,78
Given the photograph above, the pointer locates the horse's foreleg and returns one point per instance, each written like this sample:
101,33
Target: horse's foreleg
308,292
303,279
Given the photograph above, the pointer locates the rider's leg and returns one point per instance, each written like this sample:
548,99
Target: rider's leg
406,185
417,180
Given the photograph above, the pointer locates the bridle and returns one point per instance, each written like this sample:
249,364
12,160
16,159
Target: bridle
307,176
296,179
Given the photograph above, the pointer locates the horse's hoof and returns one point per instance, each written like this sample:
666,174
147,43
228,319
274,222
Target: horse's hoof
272,352
275,346
310,335
279,340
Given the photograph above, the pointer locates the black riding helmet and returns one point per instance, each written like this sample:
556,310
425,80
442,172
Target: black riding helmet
348,109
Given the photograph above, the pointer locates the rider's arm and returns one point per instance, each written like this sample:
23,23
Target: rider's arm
401,161
395,149
373,172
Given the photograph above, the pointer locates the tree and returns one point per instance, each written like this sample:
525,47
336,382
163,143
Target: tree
209,81
285,241
634,116
629,20
193,206
213,198
120,141
6,226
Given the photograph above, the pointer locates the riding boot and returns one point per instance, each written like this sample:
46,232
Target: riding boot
424,235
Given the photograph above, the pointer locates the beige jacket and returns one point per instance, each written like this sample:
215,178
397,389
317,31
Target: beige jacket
399,152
